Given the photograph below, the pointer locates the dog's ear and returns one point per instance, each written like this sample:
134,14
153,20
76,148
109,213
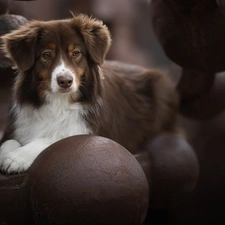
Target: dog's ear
19,45
95,35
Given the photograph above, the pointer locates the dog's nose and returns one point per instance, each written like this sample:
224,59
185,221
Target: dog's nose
65,81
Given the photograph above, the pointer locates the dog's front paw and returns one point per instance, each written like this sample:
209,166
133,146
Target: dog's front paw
9,146
13,162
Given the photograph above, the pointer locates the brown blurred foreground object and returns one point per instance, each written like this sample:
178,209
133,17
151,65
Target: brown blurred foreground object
188,32
192,35
79,180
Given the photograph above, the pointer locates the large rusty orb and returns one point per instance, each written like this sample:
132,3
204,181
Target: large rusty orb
88,180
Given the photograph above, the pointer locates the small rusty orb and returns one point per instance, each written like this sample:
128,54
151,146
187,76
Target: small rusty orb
88,180
174,170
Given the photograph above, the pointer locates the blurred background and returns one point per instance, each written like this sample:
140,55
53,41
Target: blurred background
128,20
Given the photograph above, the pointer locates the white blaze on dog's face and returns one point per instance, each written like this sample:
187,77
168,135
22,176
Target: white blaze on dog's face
58,57
63,79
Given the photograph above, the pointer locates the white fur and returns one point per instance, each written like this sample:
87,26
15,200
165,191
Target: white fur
16,158
36,129
61,69
101,73
55,120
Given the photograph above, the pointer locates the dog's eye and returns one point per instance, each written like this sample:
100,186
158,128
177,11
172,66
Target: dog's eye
76,53
46,55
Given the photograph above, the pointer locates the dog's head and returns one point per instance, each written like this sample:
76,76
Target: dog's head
61,56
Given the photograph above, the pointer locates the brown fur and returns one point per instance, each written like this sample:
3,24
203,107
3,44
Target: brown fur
136,103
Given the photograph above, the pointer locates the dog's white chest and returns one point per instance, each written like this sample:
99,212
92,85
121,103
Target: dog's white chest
54,121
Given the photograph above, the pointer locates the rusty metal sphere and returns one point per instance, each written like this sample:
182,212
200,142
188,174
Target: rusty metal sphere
88,180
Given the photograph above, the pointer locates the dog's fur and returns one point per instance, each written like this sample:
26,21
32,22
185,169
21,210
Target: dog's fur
63,89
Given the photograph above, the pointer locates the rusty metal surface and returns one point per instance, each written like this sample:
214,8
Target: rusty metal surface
79,180
14,200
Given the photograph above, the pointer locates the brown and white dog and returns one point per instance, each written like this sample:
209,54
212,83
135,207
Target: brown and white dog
63,89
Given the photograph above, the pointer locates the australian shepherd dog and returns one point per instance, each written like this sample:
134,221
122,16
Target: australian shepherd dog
64,87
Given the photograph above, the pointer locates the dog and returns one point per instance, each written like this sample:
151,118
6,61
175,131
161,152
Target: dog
65,87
